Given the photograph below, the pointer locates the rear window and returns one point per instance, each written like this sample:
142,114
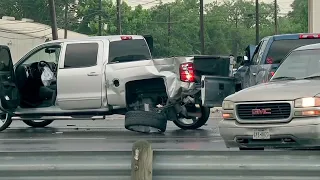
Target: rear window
128,50
279,49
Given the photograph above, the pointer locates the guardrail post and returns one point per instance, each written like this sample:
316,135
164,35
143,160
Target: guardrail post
141,162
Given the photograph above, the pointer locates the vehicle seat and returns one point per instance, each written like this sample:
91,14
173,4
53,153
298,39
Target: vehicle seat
47,92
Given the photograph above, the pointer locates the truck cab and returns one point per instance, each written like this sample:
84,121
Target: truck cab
68,78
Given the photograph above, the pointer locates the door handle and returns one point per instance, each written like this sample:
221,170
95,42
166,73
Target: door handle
92,74
254,74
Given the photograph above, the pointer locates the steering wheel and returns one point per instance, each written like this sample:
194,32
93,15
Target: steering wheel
43,64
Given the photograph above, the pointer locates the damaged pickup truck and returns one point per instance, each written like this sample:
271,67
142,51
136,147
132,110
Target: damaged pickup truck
99,76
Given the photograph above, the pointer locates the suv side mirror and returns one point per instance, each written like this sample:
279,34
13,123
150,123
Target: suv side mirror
243,60
246,61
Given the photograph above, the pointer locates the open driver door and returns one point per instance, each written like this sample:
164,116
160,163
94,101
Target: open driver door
9,93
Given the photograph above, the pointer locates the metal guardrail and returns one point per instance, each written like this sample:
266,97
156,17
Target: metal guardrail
167,165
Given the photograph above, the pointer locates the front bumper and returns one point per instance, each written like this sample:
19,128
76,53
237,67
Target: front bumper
299,132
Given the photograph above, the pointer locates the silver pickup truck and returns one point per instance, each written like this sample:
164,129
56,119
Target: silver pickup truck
284,112
99,76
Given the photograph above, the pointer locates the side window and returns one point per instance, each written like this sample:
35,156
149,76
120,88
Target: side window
261,51
81,55
4,60
256,53
48,54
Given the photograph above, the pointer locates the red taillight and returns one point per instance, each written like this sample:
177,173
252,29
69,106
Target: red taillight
126,37
269,77
309,36
271,73
187,73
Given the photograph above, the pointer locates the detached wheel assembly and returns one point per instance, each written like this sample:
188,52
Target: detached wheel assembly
194,122
5,121
145,121
37,124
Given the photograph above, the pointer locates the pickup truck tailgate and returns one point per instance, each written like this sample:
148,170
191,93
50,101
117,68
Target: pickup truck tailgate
215,88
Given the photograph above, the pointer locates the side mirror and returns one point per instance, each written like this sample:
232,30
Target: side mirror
246,61
243,60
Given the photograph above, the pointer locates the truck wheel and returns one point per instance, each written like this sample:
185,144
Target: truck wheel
145,121
37,124
5,121
196,122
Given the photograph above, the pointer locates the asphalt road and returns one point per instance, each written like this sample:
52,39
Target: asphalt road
106,135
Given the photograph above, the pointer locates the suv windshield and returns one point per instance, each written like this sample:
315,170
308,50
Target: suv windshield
128,50
299,64
280,48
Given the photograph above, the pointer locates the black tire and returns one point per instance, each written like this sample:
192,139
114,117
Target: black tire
6,120
141,121
35,124
250,149
199,123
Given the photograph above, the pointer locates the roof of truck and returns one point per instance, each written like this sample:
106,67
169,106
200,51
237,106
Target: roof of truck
289,36
109,38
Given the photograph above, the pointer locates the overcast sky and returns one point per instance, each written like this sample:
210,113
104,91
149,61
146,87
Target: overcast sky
283,4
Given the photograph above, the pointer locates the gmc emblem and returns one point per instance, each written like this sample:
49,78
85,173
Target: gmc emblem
261,111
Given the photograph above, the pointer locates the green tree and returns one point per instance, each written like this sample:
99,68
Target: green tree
299,15
229,25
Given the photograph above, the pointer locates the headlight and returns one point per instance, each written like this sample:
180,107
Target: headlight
227,105
307,102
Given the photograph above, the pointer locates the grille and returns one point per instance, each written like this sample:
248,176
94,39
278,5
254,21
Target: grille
270,111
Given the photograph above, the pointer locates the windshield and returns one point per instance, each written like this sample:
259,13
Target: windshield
299,64
128,50
280,48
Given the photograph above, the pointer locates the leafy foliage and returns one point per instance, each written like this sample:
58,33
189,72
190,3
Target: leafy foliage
229,26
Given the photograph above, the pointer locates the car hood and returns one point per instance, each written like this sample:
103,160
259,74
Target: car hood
277,91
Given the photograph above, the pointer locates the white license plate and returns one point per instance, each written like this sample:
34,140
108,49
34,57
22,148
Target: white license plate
261,134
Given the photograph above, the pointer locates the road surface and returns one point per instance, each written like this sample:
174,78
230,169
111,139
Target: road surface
105,135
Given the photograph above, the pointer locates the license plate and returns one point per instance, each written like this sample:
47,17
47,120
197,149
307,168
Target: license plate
261,134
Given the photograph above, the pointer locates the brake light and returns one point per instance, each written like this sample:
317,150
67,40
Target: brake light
309,36
187,73
126,37
269,77
272,73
